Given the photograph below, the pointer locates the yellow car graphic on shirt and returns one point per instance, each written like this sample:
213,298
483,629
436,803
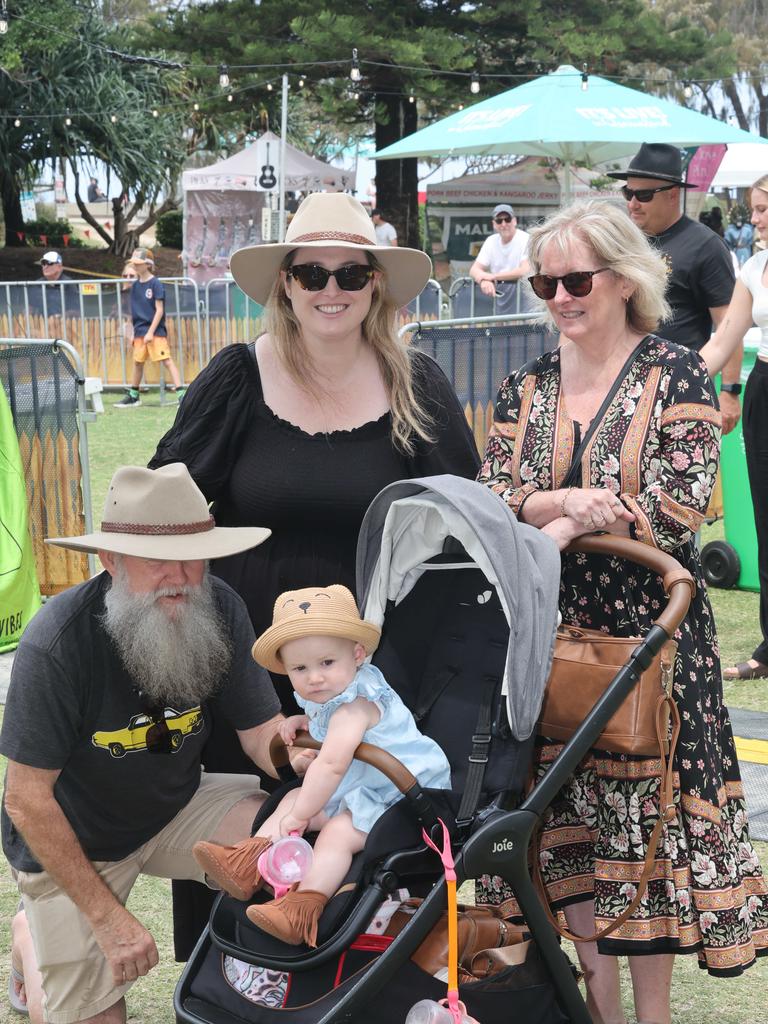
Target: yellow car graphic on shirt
134,737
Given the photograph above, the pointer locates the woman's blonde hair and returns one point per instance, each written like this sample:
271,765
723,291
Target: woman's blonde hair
619,244
761,183
409,418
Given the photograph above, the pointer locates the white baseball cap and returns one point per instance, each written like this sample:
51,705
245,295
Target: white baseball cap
51,257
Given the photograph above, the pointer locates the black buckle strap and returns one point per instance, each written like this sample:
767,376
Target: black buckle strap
478,756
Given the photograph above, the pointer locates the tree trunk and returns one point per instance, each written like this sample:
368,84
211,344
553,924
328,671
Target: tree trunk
11,199
731,91
397,183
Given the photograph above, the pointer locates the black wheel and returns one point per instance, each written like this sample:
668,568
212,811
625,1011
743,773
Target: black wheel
176,739
117,749
721,564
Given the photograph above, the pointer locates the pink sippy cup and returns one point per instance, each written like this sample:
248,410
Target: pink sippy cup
285,862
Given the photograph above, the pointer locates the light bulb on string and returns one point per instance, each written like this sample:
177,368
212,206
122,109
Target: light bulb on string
269,87
155,112
68,119
687,91
461,106
223,76
354,71
230,97
17,123
113,118
474,85
195,106
584,78
411,98
301,83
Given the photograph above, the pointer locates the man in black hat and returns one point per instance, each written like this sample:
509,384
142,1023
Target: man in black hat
701,276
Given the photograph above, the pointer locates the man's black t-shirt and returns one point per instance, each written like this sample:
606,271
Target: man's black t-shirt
700,277
73,708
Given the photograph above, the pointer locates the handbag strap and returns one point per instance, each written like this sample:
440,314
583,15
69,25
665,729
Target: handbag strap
573,472
667,813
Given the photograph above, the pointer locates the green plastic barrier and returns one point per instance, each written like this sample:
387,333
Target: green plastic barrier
733,562
19,590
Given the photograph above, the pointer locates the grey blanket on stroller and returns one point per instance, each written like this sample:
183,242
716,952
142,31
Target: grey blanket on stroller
408,522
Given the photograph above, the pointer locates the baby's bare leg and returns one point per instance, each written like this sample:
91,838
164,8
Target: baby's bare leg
334,848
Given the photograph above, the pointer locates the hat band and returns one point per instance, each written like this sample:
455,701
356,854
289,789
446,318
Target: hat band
160,529
333,236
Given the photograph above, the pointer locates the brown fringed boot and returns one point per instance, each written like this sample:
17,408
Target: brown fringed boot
293,918
233,868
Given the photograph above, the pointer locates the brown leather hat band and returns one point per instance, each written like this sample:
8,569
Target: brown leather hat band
159,529
333,236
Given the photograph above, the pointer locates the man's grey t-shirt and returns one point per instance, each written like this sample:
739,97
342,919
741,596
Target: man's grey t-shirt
73,707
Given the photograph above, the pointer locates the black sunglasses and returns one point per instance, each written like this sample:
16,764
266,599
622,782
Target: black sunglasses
49,263
504,219
158,738
578,283
644,195
313,278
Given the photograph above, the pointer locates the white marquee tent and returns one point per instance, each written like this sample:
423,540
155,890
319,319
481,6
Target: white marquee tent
223,202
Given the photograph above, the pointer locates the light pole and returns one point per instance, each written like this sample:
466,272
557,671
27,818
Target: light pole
281,171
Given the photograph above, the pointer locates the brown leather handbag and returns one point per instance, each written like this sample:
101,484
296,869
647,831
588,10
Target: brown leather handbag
584,664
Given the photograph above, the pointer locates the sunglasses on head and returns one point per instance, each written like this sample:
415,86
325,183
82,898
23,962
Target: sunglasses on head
644,195
313,278
578,283
503,219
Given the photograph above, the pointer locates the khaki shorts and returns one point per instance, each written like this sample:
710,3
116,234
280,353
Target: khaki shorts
77,980
157,349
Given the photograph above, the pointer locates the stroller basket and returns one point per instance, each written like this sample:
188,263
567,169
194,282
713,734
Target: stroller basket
454,686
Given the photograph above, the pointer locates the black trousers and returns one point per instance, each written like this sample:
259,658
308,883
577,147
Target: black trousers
755,428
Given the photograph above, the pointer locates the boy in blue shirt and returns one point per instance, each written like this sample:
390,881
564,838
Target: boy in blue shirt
150,337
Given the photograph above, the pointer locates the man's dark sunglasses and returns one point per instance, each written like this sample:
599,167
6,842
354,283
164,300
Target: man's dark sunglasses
578,283
503,219
49,263
644,195
313,278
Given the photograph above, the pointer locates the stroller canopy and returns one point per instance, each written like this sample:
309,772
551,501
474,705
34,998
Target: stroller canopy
408,522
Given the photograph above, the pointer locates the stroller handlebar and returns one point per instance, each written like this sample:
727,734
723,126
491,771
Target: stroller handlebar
679,585
386,763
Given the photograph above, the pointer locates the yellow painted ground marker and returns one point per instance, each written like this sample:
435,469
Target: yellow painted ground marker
753,751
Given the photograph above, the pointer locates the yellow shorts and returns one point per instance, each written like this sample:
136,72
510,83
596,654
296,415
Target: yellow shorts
77,981
157,349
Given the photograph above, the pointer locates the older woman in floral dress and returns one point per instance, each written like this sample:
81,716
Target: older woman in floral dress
647,472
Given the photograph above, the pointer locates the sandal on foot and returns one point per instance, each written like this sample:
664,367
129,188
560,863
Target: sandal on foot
744,671
14,998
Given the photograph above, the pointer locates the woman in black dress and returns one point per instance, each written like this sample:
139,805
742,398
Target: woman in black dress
299,430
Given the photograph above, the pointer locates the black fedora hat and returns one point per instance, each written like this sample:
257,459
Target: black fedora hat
655,160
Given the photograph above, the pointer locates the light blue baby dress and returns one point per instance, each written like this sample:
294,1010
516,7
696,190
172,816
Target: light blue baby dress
364,791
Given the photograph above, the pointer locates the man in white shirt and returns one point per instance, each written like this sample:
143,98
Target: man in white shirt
385,232
503,261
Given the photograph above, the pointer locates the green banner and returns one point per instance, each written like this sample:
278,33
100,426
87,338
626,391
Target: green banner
19,590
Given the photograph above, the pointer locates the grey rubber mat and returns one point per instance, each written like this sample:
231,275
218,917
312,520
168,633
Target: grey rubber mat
749,725
755,778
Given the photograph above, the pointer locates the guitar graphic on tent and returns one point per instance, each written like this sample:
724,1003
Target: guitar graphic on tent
267,179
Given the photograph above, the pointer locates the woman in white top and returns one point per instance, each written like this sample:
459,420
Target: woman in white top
749,305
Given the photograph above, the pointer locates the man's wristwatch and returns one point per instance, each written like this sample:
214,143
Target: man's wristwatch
731,389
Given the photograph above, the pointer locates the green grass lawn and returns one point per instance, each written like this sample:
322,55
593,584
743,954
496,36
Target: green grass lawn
129,437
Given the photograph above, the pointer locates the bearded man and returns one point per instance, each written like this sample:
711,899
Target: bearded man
107,713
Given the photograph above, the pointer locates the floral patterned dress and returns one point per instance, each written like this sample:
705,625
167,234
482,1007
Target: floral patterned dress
657,447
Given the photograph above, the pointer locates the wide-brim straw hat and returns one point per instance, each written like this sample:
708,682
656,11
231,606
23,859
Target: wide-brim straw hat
161,513
327,219
313,611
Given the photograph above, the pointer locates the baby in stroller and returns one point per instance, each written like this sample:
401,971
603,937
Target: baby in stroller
319,639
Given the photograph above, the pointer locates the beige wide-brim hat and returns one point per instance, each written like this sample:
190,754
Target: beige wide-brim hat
327,219
161,513
313,611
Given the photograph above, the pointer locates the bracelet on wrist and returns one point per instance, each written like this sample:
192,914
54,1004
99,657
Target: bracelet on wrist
563,513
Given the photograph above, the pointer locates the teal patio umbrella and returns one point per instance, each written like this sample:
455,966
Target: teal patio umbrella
564,117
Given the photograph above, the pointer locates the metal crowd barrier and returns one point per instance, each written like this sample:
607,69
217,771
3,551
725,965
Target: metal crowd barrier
477,353
466,299
44,382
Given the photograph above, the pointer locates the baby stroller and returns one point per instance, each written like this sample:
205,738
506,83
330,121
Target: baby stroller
467,598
